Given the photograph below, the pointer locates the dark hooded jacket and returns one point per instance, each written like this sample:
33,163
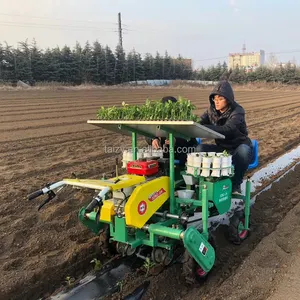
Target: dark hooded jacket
231,123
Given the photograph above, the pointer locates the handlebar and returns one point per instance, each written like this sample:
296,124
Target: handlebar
97,201
35,194
91,206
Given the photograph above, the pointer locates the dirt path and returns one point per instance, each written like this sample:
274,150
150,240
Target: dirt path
288,286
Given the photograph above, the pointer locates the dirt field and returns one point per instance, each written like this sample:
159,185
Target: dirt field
44,138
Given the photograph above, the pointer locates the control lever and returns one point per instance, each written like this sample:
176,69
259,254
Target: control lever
97,201
51,195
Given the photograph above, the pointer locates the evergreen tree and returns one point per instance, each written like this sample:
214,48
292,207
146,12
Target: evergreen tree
110,65
167,66
148,66
23,62
120,70
98,69
158,67
87,57
37,63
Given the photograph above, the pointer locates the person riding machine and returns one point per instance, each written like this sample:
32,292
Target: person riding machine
226,117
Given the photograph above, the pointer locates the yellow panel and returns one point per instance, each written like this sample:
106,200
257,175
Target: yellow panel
125,181
145,200
107,210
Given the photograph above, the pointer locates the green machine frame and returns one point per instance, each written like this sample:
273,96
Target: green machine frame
171,228
168,223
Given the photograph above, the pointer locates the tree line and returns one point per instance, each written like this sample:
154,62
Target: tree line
287,74
96,64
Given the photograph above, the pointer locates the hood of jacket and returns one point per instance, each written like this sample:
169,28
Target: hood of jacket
223,88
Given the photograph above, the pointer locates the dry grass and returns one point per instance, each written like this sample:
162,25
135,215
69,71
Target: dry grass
176,84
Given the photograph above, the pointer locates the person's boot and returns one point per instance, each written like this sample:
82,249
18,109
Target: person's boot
236,190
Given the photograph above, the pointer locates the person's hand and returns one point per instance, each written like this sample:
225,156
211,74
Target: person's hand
155,144
167,142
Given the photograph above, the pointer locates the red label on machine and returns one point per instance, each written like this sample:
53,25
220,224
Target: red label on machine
142,207
155,195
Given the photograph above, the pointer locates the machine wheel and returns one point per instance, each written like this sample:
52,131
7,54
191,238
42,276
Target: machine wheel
236,231
192,272
162,256
129,251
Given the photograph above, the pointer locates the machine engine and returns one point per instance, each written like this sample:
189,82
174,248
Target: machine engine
143,167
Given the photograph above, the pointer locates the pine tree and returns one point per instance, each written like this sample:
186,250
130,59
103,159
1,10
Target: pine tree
158,67
87,63
110,65
148,66
98,64
167,66
120,70
23,62
37,63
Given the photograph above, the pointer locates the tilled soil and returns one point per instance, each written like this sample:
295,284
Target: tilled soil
44,137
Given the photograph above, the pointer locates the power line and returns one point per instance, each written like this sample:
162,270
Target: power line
53,26
58,19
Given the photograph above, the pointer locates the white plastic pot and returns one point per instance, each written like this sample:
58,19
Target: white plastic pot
124,159
226,165
140,154
129,156
157,153
216,164
206,164
190,160
186,194
190,170
197,161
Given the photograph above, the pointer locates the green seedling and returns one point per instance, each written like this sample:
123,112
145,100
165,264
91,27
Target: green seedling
120,285
70,281
148,264
182,110
225,153
98,264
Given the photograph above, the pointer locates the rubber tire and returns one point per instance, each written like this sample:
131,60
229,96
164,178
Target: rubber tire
233,232
189,266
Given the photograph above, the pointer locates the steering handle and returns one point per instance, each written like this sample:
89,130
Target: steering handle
35,194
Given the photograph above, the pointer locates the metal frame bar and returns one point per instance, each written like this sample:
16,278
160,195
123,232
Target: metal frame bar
140,132
167,129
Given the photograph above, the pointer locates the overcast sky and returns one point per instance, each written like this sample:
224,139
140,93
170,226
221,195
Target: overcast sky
196,29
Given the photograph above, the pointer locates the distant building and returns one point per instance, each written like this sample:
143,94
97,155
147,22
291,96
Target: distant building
248,60
284,65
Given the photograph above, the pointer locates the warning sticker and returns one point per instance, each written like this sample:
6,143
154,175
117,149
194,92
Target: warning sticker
142,207
203,249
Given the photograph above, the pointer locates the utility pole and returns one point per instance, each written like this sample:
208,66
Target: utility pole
120,31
